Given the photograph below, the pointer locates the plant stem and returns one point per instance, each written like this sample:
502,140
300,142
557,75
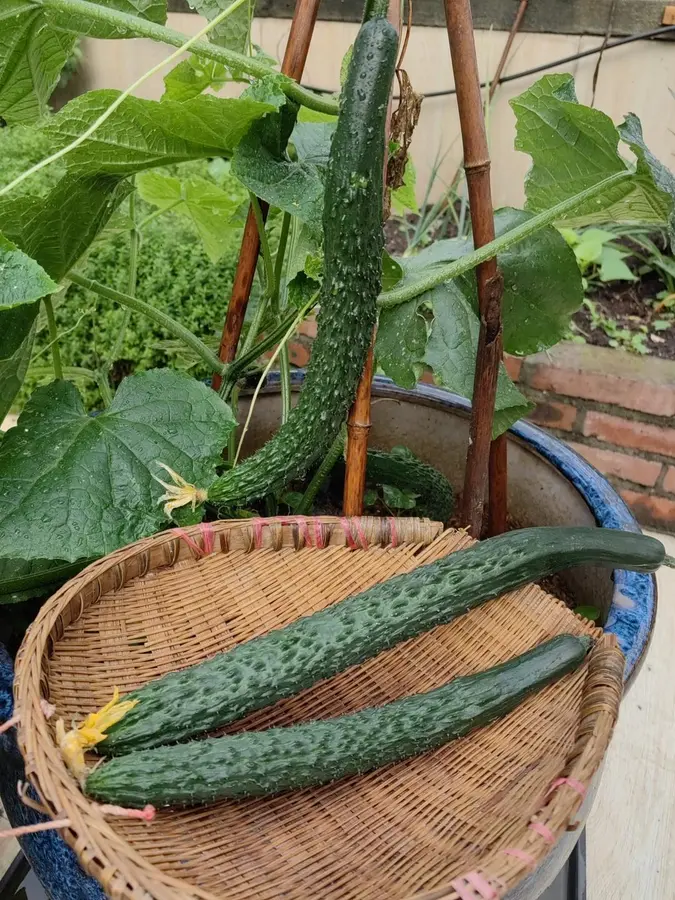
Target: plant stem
54,338
68,372
324,470
158,212
132,278
281,253
440,274
231,440
264,245
285,381
234,61
171,325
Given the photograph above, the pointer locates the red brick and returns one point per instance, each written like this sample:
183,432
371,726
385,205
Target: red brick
605,375
554,415
513,365
629,433
298,354
651,509
308,328
621,465
669,480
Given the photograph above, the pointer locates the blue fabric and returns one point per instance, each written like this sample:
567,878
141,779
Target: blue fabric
54,863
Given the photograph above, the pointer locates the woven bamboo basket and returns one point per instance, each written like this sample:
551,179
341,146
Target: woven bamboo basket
430,827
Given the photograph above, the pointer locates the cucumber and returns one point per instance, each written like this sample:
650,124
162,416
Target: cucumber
353,244
402,469
283,662
258,763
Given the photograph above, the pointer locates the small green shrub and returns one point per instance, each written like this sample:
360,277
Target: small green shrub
174,274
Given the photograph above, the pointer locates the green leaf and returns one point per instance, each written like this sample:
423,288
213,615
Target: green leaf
22,280
32,55
574,147
451,353
398,499
142,134
261,163
301,290
370,498
542,283
612,266
56,230
151,10
22,283
312,115
392,272
312,141
589,246
192,77
208,207
304,247
400,342
73,486
17,332
588,612
404,198
234,31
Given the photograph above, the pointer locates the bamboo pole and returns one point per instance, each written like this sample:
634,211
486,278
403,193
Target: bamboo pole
488,277
295,57
358,422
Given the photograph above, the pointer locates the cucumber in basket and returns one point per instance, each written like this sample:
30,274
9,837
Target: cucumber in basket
258,763
285,661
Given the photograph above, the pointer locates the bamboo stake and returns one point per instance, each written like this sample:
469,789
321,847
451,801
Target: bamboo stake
488,277
358,422
295,57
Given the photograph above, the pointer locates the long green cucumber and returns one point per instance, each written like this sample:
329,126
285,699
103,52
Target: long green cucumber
257,763
283,662
353,242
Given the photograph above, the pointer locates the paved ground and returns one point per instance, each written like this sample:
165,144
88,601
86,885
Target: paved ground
631,831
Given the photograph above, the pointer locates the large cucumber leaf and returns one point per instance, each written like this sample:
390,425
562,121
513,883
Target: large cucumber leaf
192,76
400,343
211,209
234,32
56,230
142,134
574,147
262,164
74,486
32,55
22,283
451,354
69,20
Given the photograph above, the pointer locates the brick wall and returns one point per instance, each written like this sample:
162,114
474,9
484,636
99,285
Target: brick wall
615,409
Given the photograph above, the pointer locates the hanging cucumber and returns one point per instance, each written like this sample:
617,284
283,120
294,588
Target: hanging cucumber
353,243
402,469
258,763
283,662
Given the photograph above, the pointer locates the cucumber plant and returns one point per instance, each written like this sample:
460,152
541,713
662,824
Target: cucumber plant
74,487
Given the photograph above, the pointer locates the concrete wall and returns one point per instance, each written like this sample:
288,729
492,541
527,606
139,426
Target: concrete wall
633,78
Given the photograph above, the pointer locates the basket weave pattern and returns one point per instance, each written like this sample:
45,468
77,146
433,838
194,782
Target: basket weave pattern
407,831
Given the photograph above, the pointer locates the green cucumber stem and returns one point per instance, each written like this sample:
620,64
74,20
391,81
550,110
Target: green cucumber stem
171,325
669,561
440,274
374,9
235,61
324,470
53,338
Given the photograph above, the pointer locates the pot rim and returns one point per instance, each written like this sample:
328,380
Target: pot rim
632,611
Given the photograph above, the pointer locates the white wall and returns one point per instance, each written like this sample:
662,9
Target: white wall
635,78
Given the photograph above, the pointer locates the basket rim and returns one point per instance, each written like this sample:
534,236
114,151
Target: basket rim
102,851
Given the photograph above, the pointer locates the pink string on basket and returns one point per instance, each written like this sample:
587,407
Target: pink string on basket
208,539
569,782
522,855
543,831
314,537
354,523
